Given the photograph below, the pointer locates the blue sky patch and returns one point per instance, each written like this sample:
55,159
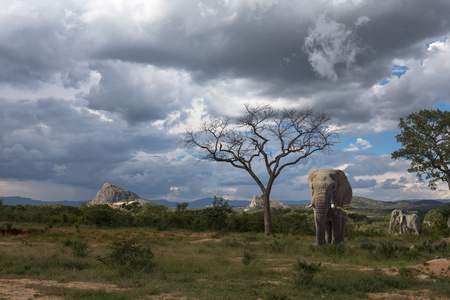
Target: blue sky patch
399,71
383,143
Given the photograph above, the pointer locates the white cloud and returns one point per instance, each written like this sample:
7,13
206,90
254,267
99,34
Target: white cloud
193,117
361,144
328,44
362,20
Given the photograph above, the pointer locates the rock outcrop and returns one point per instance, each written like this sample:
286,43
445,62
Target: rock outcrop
113,194
257,202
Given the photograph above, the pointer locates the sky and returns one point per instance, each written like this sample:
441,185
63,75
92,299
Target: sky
94,92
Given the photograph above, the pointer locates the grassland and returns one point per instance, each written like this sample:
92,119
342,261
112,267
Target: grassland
67,263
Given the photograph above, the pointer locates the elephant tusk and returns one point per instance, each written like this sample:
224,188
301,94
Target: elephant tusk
332,205
309,205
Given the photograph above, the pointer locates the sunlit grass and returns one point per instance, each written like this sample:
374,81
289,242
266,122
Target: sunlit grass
230,266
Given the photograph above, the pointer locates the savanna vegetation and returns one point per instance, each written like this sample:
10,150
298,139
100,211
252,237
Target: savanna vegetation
161,253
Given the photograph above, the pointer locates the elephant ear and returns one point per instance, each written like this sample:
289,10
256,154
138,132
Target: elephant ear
344,190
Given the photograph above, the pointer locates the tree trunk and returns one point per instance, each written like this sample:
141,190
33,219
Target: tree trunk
448,180
267,219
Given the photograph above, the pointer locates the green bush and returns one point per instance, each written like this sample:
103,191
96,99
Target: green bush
334,249
129,253
79,249
276,247
386,249
305,271
248,257
404,271
368,246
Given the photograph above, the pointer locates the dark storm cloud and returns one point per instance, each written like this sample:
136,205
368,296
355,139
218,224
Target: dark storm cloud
361,184
49,139
126,91
37,47
389,184
238,41
94,93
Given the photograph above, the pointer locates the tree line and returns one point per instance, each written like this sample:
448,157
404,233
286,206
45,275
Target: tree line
219,217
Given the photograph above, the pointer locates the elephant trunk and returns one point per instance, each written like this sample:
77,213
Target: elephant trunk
320,218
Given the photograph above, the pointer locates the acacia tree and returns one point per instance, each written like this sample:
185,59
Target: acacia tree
277,138
425,137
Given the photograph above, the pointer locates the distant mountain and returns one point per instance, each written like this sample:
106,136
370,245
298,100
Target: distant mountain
362,202
25,201
419,200
208,201
357,203
419,205
201,203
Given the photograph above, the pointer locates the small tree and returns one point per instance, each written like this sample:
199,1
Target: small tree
425,137
275,138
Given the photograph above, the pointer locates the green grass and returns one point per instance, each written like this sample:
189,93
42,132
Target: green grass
231,266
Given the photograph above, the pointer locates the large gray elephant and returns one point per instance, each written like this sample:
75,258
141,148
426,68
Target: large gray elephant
406,220
330,190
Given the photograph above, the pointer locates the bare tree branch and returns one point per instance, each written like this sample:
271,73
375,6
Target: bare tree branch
276,138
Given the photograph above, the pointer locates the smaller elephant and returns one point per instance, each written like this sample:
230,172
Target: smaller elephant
395,221
406,220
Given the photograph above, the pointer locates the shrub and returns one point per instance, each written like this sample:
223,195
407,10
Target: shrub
305,271
334,249
413,253
248,258
386,249
276,247
426,246
129,253
78,248
404,271
368,246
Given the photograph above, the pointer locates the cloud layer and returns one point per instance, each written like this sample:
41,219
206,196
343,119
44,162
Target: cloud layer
93,93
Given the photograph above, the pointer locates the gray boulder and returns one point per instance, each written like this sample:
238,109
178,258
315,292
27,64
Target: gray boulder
111,193
257,202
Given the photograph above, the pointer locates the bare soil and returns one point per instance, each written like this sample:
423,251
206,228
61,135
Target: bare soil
22,289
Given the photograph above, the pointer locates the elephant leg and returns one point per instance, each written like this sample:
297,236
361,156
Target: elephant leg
403,229
328,232
338,229
342,229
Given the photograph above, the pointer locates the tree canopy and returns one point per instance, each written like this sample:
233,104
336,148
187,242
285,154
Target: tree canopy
425,137
277,138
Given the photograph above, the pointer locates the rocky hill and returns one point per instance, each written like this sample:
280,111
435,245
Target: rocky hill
111,193
257,202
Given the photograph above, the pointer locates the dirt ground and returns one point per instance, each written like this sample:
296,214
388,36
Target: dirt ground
21,289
